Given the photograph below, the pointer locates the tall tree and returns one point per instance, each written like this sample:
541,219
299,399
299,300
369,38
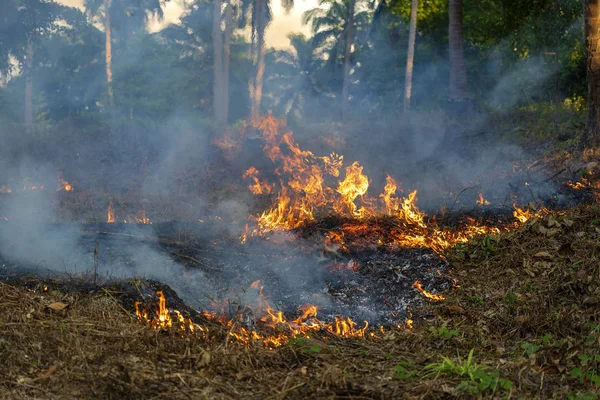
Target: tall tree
28,71
410,54
22,26
226,59
458,74
221,59
347,55
128,17
592,34
108,51
217,38
260,19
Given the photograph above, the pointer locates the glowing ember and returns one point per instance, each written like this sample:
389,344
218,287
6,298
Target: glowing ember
63,184
481,201
110,214
141,218
425,293
4,189
578,185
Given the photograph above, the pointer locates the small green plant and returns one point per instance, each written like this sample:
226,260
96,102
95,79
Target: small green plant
476,300
487,245
530,348
511,298
445,333
588,369
581,396
303,344
403,370
479,379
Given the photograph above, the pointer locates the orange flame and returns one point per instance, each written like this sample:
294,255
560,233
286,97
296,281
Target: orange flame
110,215
63,184
257,187
141,218
481,201
419,287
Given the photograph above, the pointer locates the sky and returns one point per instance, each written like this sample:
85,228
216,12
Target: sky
277,31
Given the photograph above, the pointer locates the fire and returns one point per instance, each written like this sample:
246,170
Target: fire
63,184
162,317
141,218
307,190
523,216
419,286
257,187
273,328
110,215
481,201
4,189
354,185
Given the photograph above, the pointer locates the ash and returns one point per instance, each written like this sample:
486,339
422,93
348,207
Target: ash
208,267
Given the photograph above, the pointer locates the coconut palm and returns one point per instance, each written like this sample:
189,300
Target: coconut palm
338,26
260,17
22,25
291,77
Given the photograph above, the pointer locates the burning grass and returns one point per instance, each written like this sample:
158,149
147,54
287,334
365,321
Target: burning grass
524,323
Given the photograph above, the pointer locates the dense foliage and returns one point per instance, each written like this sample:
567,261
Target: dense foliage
514,50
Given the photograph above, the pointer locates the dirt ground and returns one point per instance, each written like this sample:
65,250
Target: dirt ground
524,323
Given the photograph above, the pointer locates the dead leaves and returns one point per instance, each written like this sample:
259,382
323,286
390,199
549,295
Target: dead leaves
48,373
543,254
58,308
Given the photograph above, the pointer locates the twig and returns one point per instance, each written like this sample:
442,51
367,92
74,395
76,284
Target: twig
461,192
118,303
555,175
96,256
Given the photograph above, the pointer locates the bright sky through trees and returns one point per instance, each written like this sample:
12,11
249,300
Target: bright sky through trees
277,31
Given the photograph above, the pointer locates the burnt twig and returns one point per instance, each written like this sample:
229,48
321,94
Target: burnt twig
461,192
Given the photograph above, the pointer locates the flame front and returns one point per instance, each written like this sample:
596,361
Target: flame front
307,190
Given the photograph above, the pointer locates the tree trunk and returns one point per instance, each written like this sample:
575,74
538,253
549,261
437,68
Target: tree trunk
592,34
347,59
261,25
458,74
108,51
226,58
29,87
412,35
217,37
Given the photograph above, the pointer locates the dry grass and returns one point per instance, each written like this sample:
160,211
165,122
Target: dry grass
527,308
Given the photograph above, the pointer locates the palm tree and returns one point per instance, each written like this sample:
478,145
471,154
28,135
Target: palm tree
411,54
336,26
129,17
260,18
22,25
221,59
291,76
458,73
592,34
